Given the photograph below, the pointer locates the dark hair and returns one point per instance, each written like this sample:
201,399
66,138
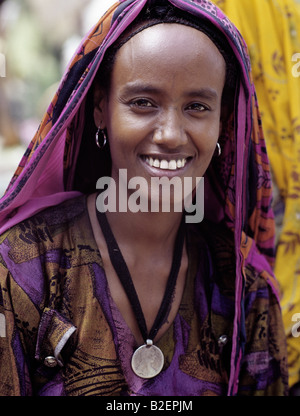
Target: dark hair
93,163
161,11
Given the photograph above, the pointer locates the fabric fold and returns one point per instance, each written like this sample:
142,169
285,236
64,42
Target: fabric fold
53,333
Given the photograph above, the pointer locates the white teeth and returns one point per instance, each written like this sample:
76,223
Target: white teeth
156,163
165,165
172,165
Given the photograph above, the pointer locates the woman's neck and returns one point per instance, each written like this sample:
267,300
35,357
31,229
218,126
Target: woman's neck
155,231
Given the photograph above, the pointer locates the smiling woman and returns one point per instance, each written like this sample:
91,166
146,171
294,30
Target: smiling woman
142,301
169,123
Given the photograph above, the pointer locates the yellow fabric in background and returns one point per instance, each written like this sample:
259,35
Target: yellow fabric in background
271,29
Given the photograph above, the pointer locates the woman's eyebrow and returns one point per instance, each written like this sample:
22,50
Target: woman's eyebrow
206,92
138,88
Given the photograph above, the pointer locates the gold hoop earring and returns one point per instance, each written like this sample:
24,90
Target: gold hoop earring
104,138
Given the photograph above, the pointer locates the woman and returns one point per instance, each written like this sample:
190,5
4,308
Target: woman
143,301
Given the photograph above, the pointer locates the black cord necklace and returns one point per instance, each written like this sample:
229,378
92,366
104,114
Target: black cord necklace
148,360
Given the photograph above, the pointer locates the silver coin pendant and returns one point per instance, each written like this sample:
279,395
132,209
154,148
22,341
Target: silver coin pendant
147,361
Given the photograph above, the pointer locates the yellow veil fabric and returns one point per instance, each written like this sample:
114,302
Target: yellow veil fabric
271,29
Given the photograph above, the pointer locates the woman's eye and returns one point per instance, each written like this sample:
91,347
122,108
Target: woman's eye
197,107
142,103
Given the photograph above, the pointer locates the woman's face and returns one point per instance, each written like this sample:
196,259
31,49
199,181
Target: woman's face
162,112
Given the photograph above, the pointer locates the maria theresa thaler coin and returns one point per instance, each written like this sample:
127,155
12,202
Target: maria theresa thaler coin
147,361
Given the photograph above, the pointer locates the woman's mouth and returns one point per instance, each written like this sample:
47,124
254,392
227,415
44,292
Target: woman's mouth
163,164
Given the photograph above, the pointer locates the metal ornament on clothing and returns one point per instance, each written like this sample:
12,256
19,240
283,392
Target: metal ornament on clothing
50,361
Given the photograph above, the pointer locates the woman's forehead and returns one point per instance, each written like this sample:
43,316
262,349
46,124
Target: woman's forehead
157,38
172,47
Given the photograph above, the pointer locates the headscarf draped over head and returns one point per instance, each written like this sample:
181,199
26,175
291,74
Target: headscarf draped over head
238,188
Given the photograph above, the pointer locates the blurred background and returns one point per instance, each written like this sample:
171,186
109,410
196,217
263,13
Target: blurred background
37,40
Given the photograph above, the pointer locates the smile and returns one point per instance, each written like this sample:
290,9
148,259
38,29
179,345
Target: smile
164,164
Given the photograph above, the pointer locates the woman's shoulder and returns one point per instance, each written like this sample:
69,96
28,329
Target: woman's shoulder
55,217
257,271
41,232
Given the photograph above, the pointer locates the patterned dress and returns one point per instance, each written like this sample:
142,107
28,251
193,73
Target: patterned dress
59,311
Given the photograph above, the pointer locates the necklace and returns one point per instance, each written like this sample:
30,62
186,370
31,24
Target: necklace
147,360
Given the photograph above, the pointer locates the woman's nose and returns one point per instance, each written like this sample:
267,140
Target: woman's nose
170,130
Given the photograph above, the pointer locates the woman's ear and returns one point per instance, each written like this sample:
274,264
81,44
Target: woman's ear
100,102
